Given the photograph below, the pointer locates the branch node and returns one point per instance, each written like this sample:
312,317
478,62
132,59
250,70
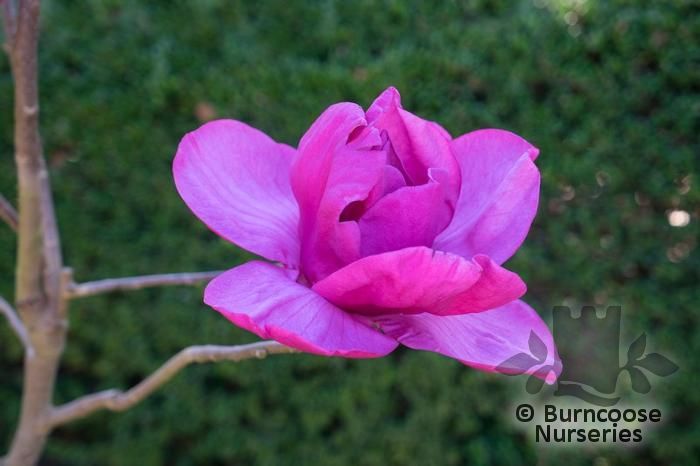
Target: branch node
29,301
17,325
31,110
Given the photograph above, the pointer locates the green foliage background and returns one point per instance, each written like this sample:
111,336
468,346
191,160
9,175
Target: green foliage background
609,91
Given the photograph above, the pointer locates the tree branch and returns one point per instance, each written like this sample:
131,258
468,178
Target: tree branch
116,400
8,213
17,325
80,290
9,16
39,264
38,254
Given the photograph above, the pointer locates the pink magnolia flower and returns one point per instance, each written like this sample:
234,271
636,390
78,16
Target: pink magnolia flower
386,230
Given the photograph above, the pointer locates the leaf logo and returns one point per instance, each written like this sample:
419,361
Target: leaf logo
652,362
521,363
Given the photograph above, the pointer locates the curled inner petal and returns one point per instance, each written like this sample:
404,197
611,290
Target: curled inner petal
335,167
409,216
418,144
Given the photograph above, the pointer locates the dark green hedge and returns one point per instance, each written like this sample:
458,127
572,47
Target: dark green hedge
609,90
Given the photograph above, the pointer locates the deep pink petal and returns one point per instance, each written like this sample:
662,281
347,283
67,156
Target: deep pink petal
265,300
419,144
409,216
416,280
335,167
499,195
312,166
442,131
481,340
393,180
236,180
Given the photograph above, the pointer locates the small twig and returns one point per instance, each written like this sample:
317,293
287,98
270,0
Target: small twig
17,325
116,400
80,290
8,213
51,244
9,16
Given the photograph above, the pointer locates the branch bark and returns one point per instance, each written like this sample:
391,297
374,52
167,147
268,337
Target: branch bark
8,213
116,400
81,290
28,154
39,262
43,286
16,325
9,16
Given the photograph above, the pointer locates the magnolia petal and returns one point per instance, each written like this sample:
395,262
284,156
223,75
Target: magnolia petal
419,144
393,180
328,175
417,280
265,300
312,166
499,195
332,243
409,216
483,340
236,180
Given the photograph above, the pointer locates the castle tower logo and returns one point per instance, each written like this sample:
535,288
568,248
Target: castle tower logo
589,347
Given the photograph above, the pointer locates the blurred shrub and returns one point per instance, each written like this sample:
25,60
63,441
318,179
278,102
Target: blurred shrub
610,92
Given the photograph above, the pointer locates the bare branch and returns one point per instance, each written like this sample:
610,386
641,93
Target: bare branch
116,400
51,244
80,290
9,16
38,254
39,264
8,213
17,325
